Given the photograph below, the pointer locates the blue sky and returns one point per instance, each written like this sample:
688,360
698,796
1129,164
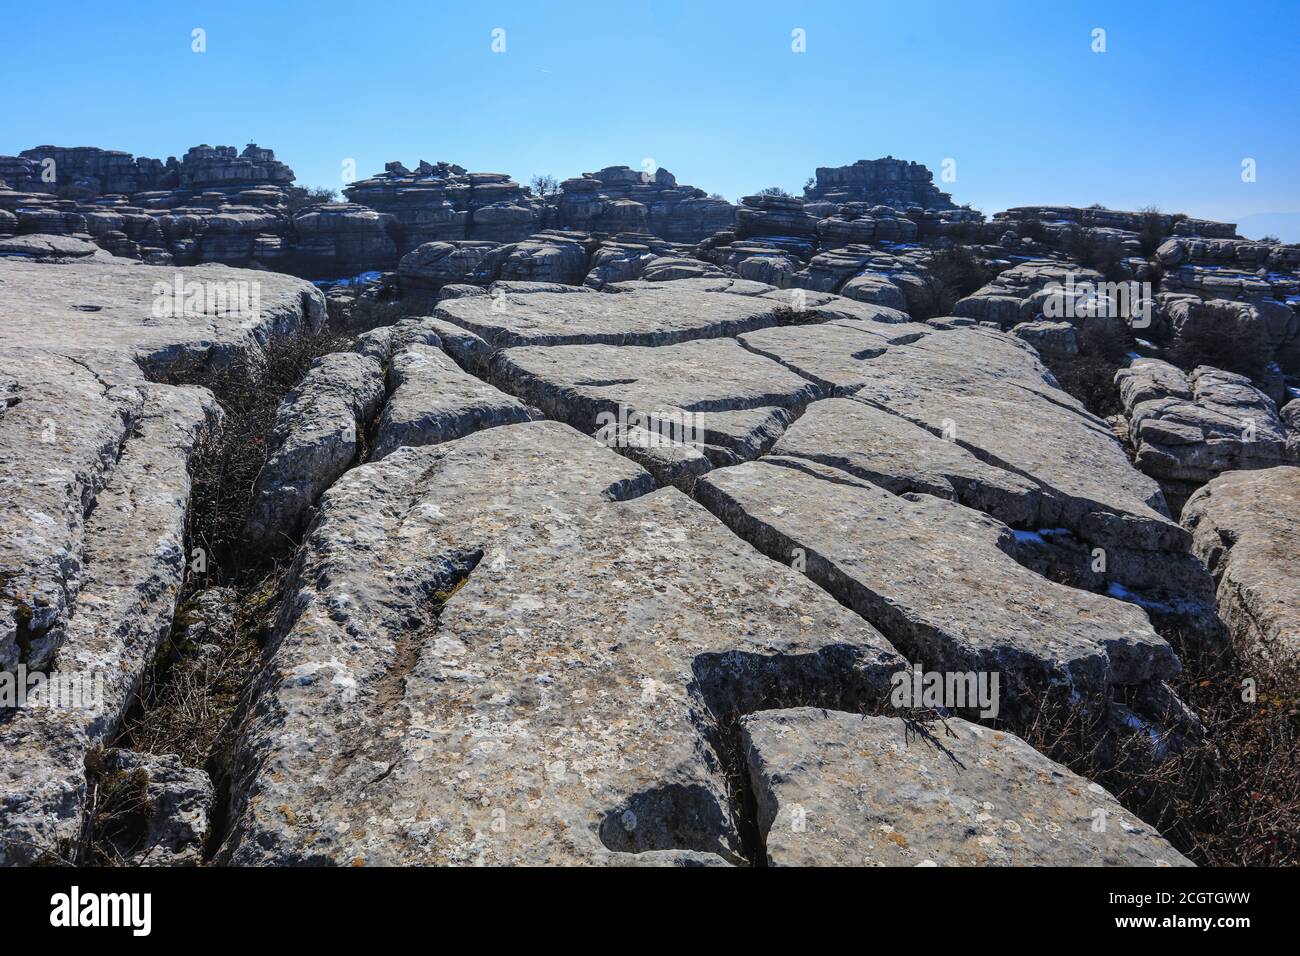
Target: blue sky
713,91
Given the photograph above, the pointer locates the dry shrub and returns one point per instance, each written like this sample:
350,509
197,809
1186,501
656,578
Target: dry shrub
1230,798
1234,798
191,694
1090,375
1152,231
227,460
117,812
1095,252
956,272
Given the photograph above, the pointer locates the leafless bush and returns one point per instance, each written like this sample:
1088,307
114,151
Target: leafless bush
117,812
1090,375
1095,252
955,272
225,464
300,197
1230,798
544,185
191,693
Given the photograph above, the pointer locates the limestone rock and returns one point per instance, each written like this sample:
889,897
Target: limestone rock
639,313
1009,299
343,239
1186,429
122,307
1246,528
886,450
1290,415
548,257
711,394
889,181
837,789
1049,338
833,354
620,199
988,392
494,651
181,799
431,400
773,216
48,248
319,431
940,581
130,563
433,265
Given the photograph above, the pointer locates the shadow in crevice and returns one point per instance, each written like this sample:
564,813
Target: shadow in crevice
725,687
670,817
733,684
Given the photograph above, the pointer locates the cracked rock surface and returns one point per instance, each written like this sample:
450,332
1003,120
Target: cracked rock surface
94,495
132,565
639,313
938,578
512,640
112,305
739,401
432,400
521,652
850,790
1246,528
319,431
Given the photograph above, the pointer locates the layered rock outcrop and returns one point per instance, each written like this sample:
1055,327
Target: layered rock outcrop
620,199
884,182
444,202
1245,526
610,533
1186,429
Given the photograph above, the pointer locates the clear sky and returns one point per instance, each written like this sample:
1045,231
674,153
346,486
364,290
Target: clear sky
1009,89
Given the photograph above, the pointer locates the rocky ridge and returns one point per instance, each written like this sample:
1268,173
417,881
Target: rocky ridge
613,552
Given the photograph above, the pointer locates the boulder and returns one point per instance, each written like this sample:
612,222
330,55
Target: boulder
179,803
1051,339
429,267
431,400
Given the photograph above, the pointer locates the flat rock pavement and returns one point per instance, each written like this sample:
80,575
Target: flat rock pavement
837,789
640,313
940,580
159,316
506,649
